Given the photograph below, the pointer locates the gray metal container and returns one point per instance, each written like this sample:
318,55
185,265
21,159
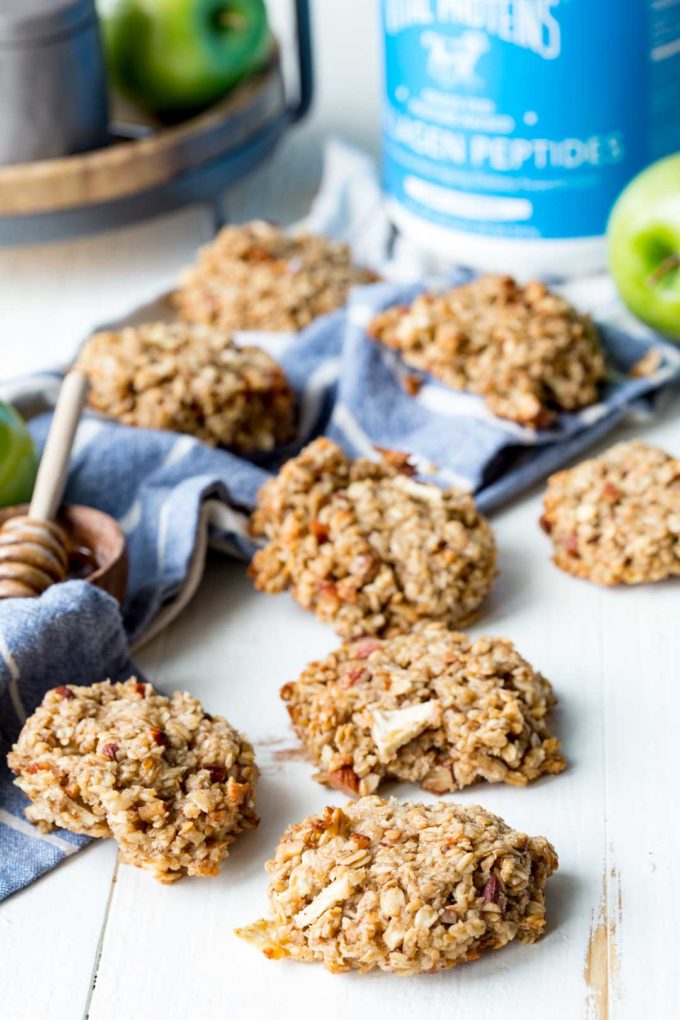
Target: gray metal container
52,79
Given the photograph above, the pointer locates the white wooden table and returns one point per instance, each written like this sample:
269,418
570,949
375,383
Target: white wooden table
101,940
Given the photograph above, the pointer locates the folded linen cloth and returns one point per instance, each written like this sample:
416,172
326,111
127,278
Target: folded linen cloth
173,495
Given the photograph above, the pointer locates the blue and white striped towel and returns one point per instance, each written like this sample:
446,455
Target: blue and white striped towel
171,493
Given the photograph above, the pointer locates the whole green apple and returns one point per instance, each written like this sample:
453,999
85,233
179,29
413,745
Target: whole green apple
644,246
173,57
18,461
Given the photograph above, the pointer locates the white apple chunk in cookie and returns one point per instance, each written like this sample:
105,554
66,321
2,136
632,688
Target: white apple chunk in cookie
403,888
429,707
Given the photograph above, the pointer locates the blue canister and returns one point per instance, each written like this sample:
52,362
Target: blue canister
510,126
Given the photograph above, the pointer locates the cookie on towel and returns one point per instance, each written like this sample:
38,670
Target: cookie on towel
615,519
429,707
407,888
524,349
257,276
368,548
173,785
190,379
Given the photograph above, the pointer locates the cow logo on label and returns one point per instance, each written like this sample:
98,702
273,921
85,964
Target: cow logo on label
453,60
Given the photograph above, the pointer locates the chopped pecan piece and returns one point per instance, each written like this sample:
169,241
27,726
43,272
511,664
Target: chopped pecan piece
319,530
345,780
218,773
398,460
159,737
110,750
364,647
570,543
64,692
412,385
611,493
352,677
493,890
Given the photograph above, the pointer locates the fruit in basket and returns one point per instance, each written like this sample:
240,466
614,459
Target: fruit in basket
174,57
644,246
18,461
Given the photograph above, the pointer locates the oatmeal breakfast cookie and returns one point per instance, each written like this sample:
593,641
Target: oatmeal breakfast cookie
173,785
615,519
407,888
367,547
257,276
191,379
429,707
524,349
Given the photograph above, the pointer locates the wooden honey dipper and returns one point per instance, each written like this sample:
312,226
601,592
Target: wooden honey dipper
33,547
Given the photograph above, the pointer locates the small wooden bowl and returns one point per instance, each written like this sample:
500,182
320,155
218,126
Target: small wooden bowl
98,532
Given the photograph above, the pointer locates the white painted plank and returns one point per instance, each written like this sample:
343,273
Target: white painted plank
641,664
49,937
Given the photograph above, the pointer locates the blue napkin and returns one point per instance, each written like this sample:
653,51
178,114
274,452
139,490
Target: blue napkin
157,484
71,634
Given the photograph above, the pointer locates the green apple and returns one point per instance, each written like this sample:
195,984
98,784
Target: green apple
174,57
18,461
644,246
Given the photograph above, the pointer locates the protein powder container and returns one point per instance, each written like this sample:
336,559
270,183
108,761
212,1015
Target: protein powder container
510,126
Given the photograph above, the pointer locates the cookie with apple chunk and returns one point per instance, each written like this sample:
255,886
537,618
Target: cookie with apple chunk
403,888
429,707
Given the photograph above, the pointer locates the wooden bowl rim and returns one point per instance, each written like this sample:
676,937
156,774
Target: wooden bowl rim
79,510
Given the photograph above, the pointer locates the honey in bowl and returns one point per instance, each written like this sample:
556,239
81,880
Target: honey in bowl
82,563
95,545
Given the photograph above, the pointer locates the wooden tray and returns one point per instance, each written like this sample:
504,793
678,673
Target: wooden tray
156,168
